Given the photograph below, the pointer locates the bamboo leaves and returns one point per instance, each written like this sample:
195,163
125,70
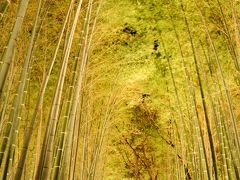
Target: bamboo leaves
88,100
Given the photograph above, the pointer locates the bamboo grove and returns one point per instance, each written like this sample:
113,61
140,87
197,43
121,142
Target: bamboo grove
131,89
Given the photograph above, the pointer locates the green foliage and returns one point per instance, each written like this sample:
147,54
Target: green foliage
137,111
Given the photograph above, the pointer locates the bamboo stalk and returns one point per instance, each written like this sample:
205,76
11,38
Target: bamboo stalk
64,173
56,102
182,128
39,100
197,128
230,106
3,8
217,121
14,116
7,57
69,101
